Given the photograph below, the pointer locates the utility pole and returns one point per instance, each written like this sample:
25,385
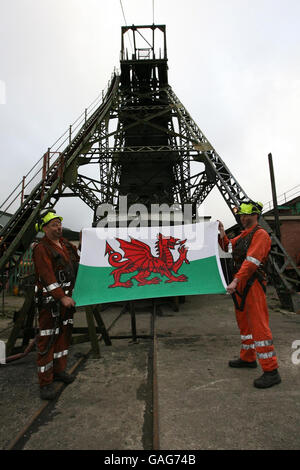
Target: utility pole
274,195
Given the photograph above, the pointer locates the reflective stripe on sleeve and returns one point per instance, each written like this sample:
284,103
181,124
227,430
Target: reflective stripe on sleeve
248,346
53,286
253,260
70,321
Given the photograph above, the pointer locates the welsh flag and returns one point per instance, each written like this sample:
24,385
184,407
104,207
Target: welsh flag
122,264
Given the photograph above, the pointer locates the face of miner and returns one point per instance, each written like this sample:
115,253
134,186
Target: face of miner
53,229
248,220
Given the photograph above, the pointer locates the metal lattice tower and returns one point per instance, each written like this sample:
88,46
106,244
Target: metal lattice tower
142,143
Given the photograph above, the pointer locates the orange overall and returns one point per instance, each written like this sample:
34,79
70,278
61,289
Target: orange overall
253,319
55,321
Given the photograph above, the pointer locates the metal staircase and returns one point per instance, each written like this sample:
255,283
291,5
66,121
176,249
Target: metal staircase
19,232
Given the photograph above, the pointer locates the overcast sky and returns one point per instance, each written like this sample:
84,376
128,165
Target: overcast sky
234,64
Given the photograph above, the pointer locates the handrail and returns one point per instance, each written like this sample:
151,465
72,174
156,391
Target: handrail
283,198
55,149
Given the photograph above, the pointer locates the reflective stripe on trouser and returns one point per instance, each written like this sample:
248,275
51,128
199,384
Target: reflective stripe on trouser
256,335
55,360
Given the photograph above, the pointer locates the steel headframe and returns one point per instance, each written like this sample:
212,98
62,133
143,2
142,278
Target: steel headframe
145,145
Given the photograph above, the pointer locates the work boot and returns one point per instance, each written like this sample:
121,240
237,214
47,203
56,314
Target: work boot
240,363
64,377
268,379
48,392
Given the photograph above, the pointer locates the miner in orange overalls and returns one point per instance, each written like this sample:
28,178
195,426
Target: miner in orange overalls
250,251
56,262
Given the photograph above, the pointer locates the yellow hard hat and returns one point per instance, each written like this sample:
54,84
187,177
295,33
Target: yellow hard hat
45,218
250,208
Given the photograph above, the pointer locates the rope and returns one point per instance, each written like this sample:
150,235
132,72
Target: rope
153,10
121,4
123,12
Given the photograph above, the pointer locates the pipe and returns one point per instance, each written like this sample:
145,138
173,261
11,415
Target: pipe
23,354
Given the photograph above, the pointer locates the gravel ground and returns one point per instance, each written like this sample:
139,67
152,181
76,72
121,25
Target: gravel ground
203,404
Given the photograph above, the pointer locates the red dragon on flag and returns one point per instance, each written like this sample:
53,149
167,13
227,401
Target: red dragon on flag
138,257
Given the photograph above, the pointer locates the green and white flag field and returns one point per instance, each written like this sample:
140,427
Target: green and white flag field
129,263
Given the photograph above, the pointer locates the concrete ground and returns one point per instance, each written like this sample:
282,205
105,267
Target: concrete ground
203,404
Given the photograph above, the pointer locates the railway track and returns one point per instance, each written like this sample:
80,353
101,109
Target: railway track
42,414
184,355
